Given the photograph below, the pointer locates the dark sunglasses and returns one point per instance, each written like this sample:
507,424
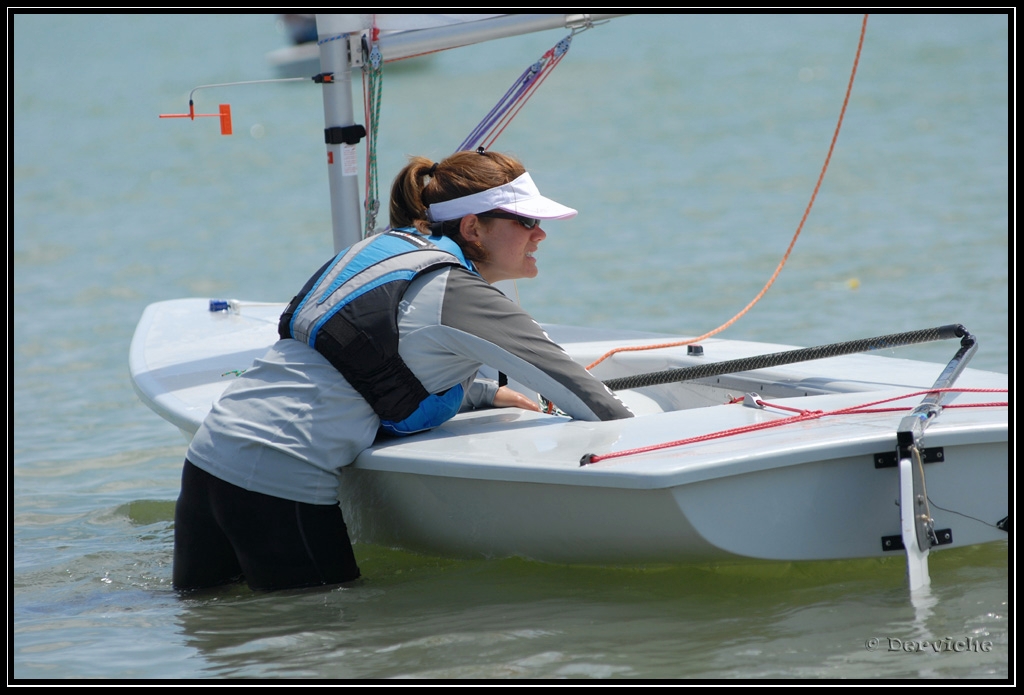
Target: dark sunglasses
527,222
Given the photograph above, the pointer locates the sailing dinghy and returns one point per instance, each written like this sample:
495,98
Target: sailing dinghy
739,450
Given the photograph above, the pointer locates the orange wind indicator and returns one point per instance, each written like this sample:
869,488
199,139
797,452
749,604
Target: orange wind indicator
224,115
225,109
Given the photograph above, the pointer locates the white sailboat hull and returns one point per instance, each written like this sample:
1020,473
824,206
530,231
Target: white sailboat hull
509,483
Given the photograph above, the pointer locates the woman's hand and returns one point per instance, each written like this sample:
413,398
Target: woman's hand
507,398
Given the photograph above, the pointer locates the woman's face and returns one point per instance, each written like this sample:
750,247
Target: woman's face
510,249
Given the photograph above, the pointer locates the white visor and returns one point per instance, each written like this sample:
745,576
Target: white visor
519,197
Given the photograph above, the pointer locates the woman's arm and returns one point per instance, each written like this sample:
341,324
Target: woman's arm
479,322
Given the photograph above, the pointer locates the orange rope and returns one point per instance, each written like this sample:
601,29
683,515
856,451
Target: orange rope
792,243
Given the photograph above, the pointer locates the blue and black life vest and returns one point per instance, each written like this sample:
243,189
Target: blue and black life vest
348,312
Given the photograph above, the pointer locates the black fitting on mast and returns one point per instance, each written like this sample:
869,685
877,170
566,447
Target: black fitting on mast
348,135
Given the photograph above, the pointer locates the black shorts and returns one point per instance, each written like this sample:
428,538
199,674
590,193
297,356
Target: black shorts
224,533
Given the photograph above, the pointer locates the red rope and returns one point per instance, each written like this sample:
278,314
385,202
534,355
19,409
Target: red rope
867,407
801,416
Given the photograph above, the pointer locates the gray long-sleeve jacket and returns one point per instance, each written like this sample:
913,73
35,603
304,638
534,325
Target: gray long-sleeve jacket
287,425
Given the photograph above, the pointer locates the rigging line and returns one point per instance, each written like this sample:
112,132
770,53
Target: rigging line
800,416
868,407
961,514
234,84
510,96
509,112
373,83
553,57
508,107
792,243
529,92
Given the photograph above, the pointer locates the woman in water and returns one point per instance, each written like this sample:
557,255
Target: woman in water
387,337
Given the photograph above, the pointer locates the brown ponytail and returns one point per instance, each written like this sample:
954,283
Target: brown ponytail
423,182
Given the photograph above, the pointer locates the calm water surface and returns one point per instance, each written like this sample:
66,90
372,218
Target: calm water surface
691,145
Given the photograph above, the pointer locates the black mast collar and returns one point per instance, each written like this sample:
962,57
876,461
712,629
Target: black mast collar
349,135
